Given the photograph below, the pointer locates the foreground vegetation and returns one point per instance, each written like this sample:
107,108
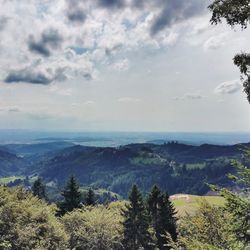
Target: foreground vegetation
27,221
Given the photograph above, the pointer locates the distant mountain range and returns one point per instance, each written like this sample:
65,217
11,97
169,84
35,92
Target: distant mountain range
175,167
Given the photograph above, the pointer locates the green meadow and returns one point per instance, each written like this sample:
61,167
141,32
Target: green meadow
185,203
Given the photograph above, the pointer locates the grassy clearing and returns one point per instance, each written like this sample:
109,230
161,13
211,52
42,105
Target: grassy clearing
6,180
189,203
196,166
148,159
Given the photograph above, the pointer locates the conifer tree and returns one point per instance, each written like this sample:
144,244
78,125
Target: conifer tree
90,198
162,216
152,202
38,189
166,221
72,197
136,223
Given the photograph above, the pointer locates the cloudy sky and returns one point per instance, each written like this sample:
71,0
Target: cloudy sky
126,65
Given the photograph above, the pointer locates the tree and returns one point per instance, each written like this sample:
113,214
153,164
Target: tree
236,12
208,228
136,223
90,198
152,202
166,219
72,197
38,189
96,228
28,223
238,205
162,215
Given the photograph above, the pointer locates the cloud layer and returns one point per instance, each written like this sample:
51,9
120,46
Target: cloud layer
62,39
229,87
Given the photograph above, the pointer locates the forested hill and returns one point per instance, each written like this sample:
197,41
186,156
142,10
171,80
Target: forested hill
175,167
10,164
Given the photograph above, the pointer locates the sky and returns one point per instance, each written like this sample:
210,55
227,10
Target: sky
119,65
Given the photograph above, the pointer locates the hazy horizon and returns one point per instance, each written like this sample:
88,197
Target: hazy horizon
115,138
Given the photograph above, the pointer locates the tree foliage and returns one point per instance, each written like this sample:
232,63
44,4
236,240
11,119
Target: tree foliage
243,62
209,229
95,228
238,205
38,189
90,199
236,12
72,197
136,223
163,217
27,222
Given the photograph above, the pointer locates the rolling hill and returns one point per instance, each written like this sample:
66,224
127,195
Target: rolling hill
175,167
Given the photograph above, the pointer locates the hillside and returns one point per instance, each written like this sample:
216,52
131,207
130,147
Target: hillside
175,167
10,163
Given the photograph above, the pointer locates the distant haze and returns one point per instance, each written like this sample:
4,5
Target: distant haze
114,139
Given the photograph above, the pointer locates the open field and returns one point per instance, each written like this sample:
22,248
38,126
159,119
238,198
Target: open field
6,180
186,203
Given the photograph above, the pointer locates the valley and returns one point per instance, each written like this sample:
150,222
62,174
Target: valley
173,166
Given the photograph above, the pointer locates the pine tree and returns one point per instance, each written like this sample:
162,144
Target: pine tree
72,197
136,223
152,203
162,216
38,189
90,198
166,221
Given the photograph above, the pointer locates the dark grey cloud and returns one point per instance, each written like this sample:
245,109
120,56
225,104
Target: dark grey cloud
14,110
36,76
27,76
75,11
112,3
40,117
49,40
138,3
176,11
38,47
192,96
116,47
76,15
3,22
88,76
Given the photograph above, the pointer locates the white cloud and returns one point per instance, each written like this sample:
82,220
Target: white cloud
193,96
229,87
89,102
129,100
215,42
121,65
95,32
189,96
61,91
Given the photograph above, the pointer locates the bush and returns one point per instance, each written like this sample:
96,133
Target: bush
94,227
29,223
